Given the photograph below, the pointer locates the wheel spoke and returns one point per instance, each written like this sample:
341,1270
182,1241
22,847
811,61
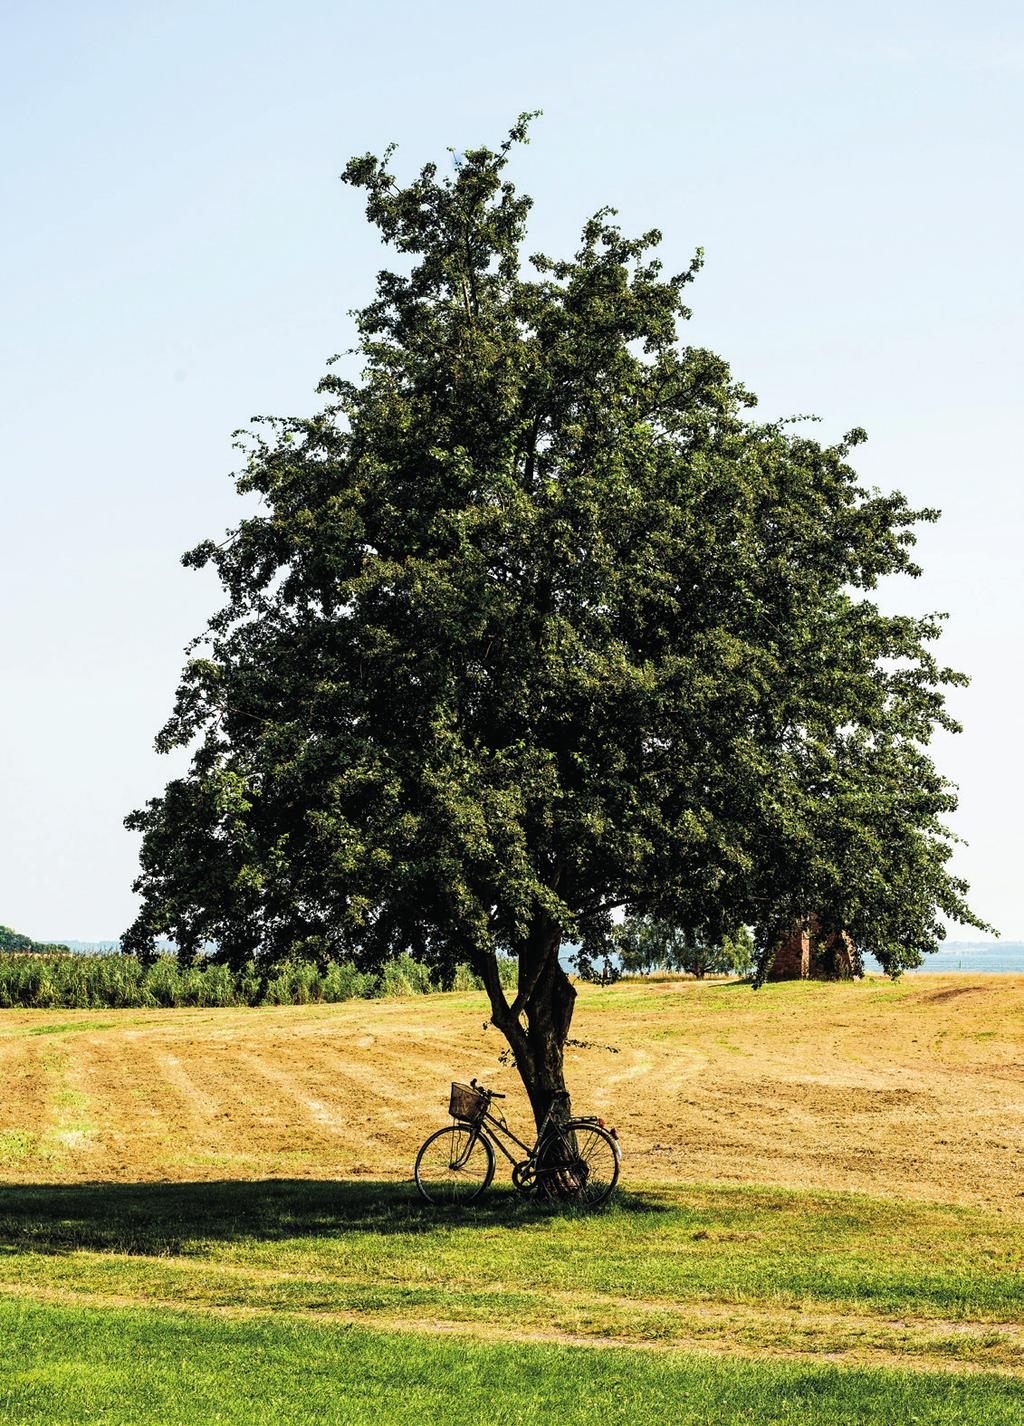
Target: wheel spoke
580,1166
454,1166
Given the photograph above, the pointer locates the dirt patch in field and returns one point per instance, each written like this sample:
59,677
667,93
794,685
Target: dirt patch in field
954,992
915,1089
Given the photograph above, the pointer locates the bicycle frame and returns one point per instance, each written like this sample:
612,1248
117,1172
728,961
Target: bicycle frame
499,1128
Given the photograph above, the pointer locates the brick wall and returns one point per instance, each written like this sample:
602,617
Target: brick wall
798,959
792,958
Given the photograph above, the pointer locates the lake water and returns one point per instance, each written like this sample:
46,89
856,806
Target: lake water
990,957
996,958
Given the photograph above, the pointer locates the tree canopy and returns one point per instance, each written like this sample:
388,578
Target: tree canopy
537,621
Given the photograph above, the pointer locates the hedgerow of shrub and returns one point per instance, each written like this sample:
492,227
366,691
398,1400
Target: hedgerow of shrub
112,981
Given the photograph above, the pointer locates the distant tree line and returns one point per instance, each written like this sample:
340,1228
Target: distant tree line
15,942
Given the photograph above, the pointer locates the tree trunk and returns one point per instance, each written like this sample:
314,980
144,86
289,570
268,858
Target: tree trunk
545,998
548,1016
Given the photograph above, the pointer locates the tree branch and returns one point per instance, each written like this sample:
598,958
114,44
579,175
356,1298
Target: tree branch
486,966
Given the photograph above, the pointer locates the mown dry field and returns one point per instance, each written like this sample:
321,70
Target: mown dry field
206,1215
913,1090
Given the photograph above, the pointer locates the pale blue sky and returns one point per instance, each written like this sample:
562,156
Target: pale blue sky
177,255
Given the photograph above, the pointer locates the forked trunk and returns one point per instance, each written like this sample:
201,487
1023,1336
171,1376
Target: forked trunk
544,1001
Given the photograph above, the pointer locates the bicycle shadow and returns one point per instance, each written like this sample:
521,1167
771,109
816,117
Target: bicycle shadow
178,1218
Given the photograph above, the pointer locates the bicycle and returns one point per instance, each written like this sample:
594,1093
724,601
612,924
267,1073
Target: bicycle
576,1162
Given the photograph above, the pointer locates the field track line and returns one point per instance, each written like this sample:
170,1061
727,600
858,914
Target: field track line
724,1308
702,1343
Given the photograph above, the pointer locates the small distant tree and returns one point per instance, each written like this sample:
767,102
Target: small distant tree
646,944
534,622
739,954
604,971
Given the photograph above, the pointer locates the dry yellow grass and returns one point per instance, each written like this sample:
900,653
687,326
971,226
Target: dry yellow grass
908,1090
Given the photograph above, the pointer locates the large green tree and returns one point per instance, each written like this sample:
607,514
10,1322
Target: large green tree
536,621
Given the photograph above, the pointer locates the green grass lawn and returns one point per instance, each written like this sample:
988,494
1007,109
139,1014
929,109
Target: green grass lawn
81,1367
178,1302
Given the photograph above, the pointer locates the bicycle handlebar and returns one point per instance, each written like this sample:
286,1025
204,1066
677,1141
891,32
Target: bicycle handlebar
491,1093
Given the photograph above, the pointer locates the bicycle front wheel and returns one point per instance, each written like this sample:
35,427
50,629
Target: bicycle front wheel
579,1165
455,1165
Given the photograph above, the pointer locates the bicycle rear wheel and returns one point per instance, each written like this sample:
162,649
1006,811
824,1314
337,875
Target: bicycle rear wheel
579,1165
455,1165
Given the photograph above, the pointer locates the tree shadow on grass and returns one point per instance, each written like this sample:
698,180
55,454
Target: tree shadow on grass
179,1218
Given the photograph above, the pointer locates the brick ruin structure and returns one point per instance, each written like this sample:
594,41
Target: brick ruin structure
799,958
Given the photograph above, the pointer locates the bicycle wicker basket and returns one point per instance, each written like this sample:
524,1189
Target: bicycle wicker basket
466,1103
